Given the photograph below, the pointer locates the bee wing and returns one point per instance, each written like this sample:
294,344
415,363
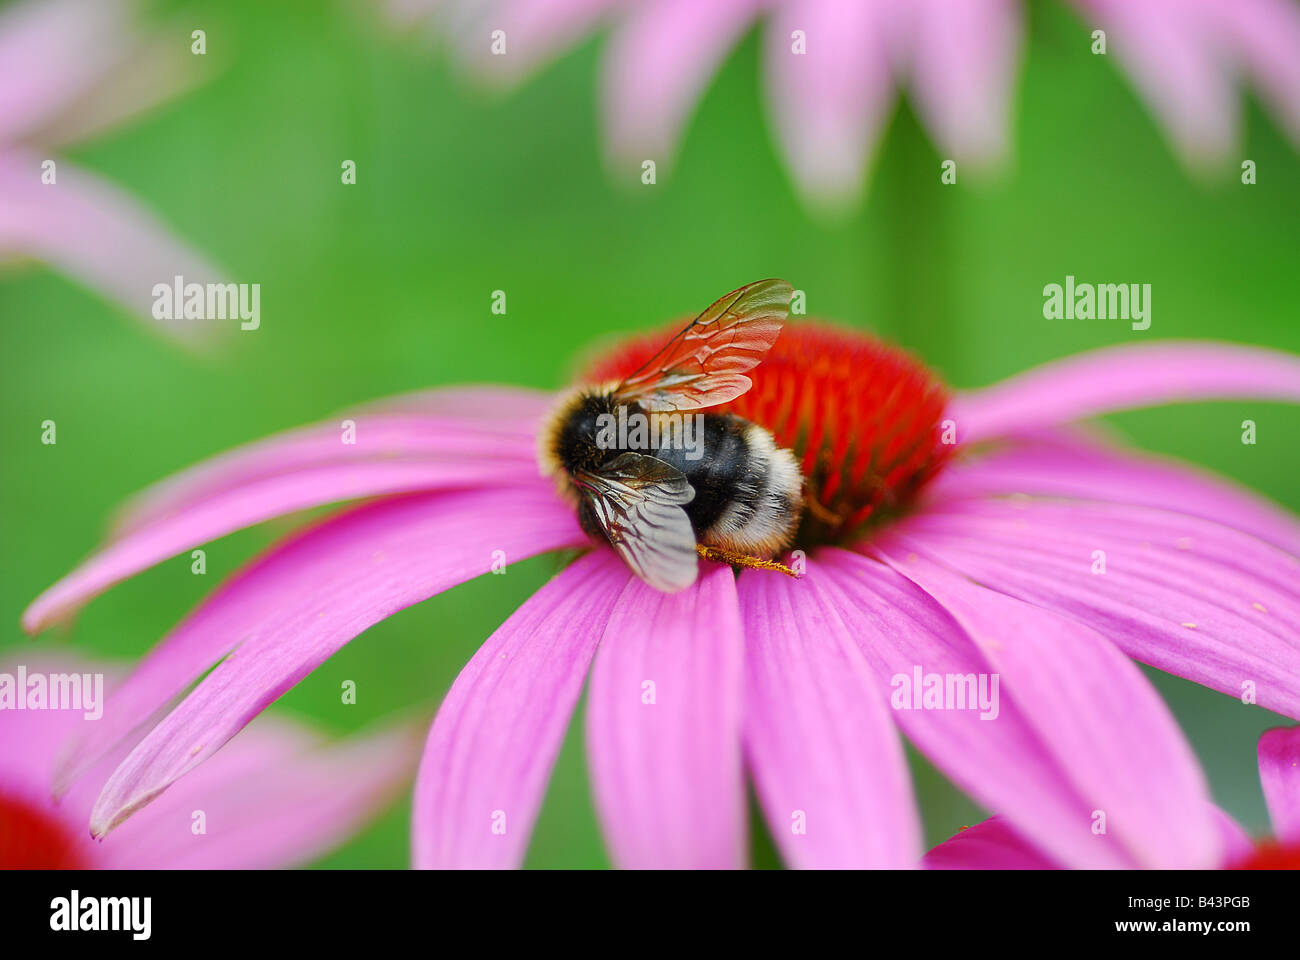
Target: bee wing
705,364
638,501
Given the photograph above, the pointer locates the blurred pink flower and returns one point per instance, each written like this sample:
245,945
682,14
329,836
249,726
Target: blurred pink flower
996,845
990,570
70,69
277,797
958,58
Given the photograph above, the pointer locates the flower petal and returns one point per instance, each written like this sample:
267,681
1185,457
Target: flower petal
964,61
276,797
829,104
656,64
1279,772
1070,465
1119,378
827,763
497,734
535,31
303,468
663,726
287,612
101,236
1185,595
1169,50
991,845
1125,753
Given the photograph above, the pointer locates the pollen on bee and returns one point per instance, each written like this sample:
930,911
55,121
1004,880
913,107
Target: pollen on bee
863,418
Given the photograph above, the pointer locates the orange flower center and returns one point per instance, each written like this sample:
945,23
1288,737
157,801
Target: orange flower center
1271,855
863,418
30,839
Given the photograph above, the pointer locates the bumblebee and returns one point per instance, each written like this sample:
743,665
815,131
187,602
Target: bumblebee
665,485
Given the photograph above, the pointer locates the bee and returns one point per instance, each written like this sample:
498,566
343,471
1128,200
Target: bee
665,485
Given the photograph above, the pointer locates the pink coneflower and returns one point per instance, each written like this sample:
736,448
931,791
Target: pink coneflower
70,69
996,845
277,797
1025,550
833,68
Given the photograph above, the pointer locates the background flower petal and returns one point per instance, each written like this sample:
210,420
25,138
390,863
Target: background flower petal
663,726
656,65
287,612
1279,772
1120,378
277,797
828,105
827,763
499,729
88,228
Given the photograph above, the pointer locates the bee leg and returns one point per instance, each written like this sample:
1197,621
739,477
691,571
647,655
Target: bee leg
718,555
815,507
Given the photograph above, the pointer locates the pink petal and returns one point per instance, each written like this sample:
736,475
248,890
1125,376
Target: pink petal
827,763
304,468
1005,763
535,31
1168,49
289,611
1185,595
1119,378
274,798
52,51
656,65
1073,466
496,737
89,229
829,104
1279,772
965,60
991,845
663,726
1264,36
1125,753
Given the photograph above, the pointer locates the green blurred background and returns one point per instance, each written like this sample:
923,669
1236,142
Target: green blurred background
385,286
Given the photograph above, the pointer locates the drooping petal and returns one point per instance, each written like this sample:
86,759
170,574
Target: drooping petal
1186,595
52,51
1119,378
1279,772
533,31
304,468
1168,49
1265,34
288,611
964,62
1071,465
990,845
658,60
99,235
827,763
1125,753
663,726
1001,762
829,103
276,797
1006,755
497,734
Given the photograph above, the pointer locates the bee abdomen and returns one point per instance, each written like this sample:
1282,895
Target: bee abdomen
748,491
